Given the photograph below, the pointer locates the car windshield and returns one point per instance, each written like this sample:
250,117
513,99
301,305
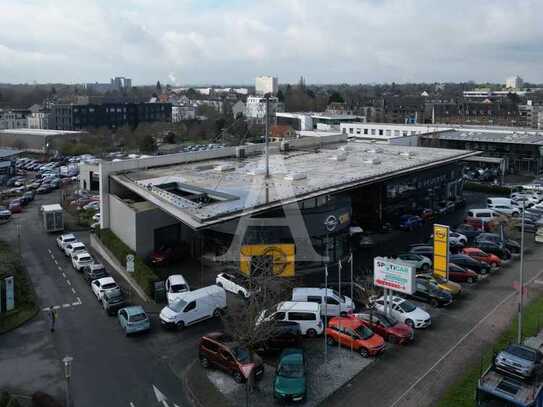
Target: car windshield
339,295
109,286
138,317
177,306
290,370
178,288
241,354
364,332
521,353
407,306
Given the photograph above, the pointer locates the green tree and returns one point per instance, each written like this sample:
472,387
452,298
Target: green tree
336,97
147,144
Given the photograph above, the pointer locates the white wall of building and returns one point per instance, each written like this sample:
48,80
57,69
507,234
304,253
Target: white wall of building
38,120
514,82
255,108
180,113
266,84
122,221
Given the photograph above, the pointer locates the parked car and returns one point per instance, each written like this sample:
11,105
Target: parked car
410,222
63,240
331,302
353,333
80,260
71,248
306,314
133,319
445,207
405,311
112,301
492,248
15,207
285,334
235,284
417,261
478,254
387,327
43,189
427,292
464,260
519,360
175,286
289,383
100,286
426,214
423,250
94,205
27,197
462,274
451,287
94,271
4,213
220,351
193,307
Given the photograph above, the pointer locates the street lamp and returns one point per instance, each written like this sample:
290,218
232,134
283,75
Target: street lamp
67,375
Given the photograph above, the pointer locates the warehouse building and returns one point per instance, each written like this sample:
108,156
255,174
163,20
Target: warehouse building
37,140
202,198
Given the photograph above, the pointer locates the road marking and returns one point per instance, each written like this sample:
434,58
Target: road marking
56,262
441,359
56,307
53,256
73,304
64,275
132,404
66,305
68,282
49,250
79,300
73,290
60,269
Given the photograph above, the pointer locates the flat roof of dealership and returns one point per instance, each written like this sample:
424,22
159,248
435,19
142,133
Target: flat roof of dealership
203,192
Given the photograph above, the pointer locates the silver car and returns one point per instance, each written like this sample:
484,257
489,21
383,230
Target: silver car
519,360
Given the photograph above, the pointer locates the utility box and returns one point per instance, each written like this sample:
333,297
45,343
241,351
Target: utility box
53,217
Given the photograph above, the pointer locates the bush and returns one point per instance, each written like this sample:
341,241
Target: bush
143,274
489,189
4,399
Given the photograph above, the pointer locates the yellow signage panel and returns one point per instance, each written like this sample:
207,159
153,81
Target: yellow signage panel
259,258
441,251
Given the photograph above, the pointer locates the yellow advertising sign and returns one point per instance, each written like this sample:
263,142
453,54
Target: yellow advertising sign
441,251
259,258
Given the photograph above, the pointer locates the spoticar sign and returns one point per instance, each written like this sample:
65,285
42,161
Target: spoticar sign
395,276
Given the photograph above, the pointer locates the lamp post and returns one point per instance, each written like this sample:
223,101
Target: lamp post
521,278
67,375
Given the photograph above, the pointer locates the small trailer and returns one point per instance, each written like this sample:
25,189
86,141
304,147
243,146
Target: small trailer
53,217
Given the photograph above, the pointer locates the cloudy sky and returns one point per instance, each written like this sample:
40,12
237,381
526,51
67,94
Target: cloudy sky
232,41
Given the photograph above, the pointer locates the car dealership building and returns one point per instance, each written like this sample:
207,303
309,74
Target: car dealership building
317,189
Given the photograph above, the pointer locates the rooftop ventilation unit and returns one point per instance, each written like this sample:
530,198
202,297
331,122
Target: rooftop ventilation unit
342,156
408,154
372,161
295,176
224,168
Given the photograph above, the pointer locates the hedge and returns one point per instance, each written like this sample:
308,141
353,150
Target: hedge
143,274
487,188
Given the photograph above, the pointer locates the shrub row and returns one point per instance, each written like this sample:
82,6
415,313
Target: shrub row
143,274
6,400
486,188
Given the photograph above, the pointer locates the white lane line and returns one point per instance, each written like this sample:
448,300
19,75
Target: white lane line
56,262
68,282
79,300
66,305
53,256
60,269
442,358
73,290
64,275
75,303
49,250
132,404
56,307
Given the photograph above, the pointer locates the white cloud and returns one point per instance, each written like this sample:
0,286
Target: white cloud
231,41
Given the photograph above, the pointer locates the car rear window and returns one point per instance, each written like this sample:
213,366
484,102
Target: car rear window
522,353
109,286
178,288
138,317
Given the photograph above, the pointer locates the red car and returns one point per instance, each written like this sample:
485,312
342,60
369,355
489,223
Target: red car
461,274
477,224
351,332
388,327
488,258
15,206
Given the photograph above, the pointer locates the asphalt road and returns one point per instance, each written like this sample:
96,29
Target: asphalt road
109,369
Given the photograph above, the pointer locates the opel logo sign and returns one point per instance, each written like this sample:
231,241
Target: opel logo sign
331,223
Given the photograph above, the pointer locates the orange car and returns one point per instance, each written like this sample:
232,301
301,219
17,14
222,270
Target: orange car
488,258
351,332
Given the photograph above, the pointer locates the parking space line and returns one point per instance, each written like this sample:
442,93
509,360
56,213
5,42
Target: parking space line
64,275
49,250
68,282
75,303
66,305
79,300
60,269
73,290
56,262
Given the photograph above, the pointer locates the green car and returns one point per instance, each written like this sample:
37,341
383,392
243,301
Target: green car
289,383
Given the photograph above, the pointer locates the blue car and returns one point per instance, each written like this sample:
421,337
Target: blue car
134,319
410,222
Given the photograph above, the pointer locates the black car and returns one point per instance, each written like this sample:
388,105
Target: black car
423,250
94,272
468,262
284,334
43,189
467,230
494,248
430,293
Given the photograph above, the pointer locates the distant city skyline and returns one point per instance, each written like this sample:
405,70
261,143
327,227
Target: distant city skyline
232,41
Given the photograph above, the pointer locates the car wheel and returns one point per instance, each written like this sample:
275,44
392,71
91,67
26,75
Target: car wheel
470,280
180,325
434,303
410,323
425,267
311,333
342,314
494,265
217,313
363,352
238,378
330,341
204,362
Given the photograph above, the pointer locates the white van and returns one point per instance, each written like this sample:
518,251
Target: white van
194,306
331,302
306,314
485,215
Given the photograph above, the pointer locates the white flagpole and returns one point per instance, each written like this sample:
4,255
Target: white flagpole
339,278
325,315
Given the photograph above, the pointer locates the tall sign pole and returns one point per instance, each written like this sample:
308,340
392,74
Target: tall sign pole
521,279
266,137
